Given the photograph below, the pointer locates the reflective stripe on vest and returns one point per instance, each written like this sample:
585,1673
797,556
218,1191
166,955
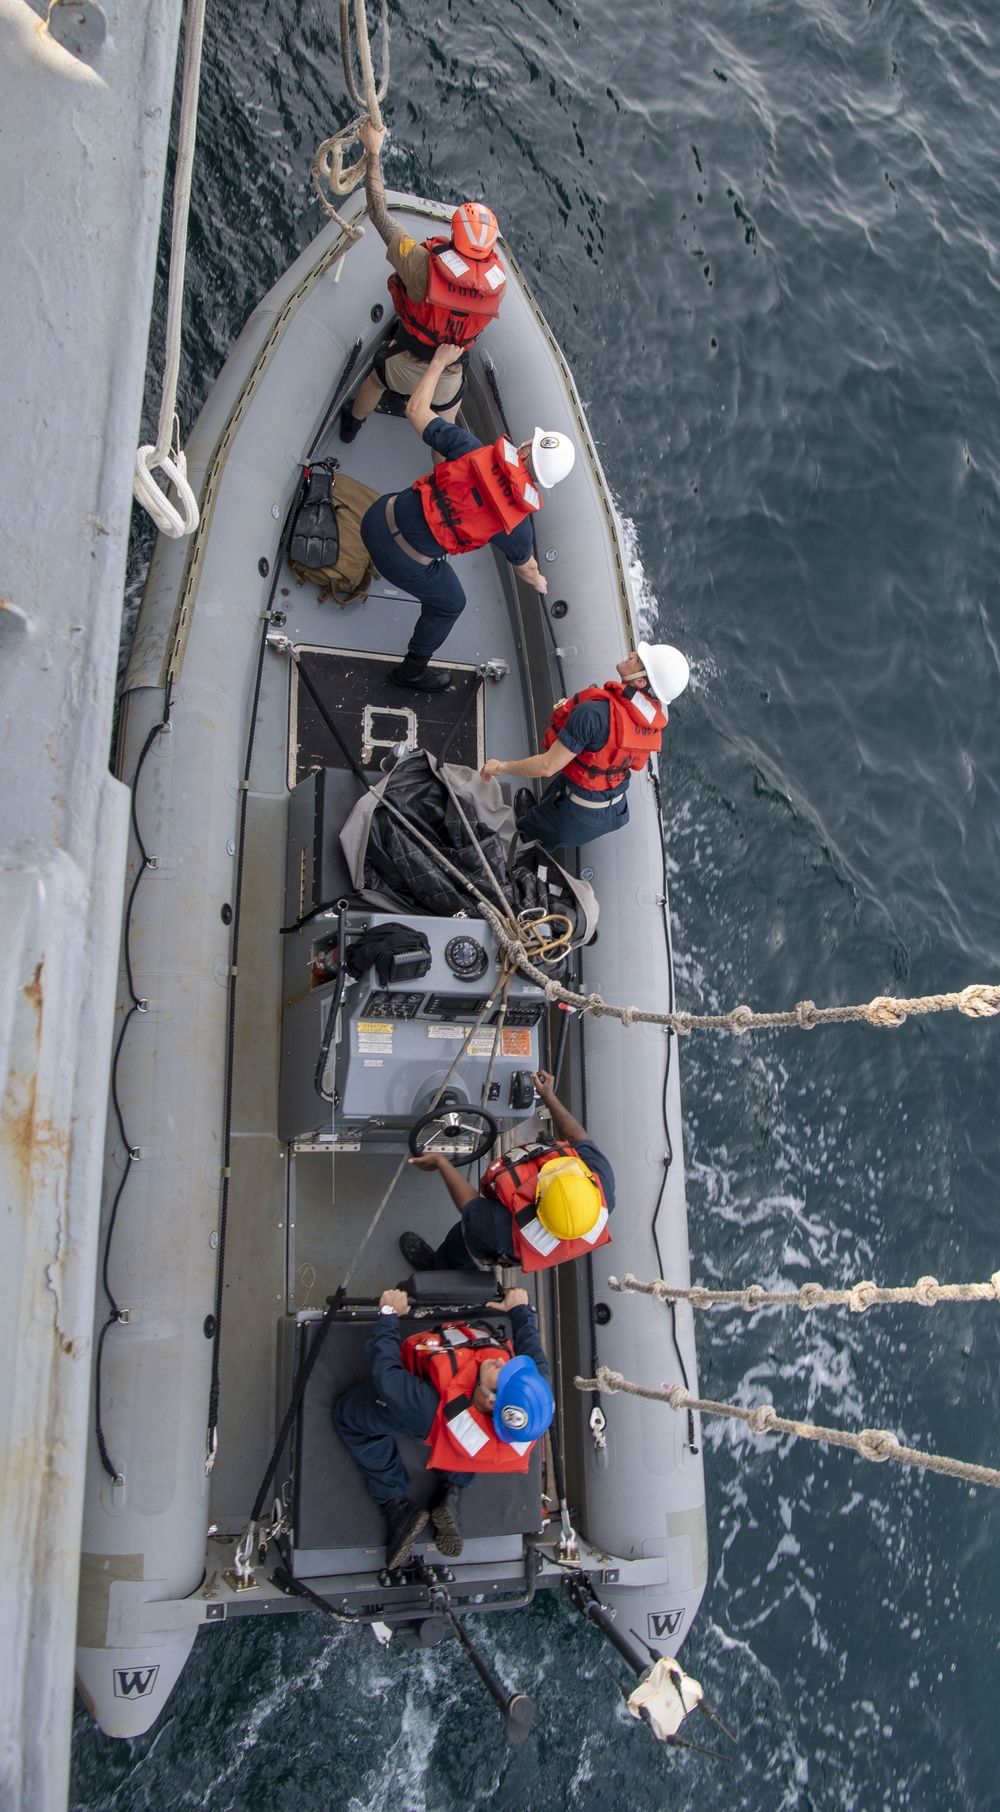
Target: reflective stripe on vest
636,724
512,1181
466,501
463,1428
460,300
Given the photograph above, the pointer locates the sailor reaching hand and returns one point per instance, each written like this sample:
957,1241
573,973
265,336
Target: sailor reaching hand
538,1205
594,742
479,1401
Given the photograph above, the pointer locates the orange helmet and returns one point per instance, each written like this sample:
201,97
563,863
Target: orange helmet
474,230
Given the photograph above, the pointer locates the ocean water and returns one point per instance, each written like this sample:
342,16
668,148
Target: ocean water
767,237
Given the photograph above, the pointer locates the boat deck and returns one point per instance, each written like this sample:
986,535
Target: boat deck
296,1217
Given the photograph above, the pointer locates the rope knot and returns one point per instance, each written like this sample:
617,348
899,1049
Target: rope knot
877,1444
752,1297
810,1294
678,1397
979,1002
629,1016
660,1290
698,1297
885,1012
995,1281
762,1419
862,1296
682,1024
806,1014
610,1381
552,990
740,1020
927,1291
595,1005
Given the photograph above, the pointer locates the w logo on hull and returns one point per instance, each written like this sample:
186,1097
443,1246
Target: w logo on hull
662,1623
135,1682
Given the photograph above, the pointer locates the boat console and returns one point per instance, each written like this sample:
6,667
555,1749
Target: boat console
363,1078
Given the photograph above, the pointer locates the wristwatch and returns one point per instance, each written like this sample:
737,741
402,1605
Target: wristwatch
386,1310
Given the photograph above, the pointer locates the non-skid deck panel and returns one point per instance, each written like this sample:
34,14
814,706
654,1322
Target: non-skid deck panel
332,1508
371,713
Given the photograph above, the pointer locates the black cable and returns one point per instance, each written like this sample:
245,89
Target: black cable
668,1156
298,1392
136,1005
460,719
213,1394
298,1588
331,1018
491,379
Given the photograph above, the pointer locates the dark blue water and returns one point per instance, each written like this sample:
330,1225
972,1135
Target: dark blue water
767,237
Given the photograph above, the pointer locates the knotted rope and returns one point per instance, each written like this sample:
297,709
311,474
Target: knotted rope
859,1297
979,1001
329,174
166,455
876,1444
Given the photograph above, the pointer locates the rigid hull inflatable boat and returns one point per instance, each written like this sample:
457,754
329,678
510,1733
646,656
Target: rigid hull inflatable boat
262,1100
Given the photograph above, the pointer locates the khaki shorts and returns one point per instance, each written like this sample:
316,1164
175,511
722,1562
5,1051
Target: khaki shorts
402,373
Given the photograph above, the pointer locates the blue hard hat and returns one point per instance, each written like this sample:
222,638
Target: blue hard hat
524,1406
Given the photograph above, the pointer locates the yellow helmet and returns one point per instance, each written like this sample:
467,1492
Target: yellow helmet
568,1198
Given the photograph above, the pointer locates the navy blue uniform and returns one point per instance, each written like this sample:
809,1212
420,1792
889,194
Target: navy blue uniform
560,820
369,1416
483,1235
437,587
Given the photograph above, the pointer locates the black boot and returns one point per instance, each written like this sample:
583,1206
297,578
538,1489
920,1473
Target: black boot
350,427
447,1519
416,674
404,1521
417,1253
524,799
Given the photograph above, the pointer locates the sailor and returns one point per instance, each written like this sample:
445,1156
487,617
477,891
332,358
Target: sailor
443,291
595,741
538,1205
474,495
478,1400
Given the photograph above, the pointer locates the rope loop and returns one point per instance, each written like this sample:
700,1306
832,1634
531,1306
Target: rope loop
885,1012
862,1297
168,519
329,170
927,1291
979,1002
810,1294
877,1444
807,1015
740,1020
762,1420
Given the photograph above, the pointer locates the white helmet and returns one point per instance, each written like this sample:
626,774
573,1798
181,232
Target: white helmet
666,669
553,456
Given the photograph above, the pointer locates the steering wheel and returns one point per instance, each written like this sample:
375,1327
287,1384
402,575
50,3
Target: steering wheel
454,1120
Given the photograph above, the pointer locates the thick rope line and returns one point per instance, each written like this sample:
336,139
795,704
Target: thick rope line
329,173
876,1444
979,1001
861,1296
168,519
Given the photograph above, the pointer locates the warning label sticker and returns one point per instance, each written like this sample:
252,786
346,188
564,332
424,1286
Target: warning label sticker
446,1031
515,1042
375,1035
481,1044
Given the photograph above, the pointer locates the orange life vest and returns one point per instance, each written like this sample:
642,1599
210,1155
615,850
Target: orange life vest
636,732
512,1181
466,501
462,297
462,1437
